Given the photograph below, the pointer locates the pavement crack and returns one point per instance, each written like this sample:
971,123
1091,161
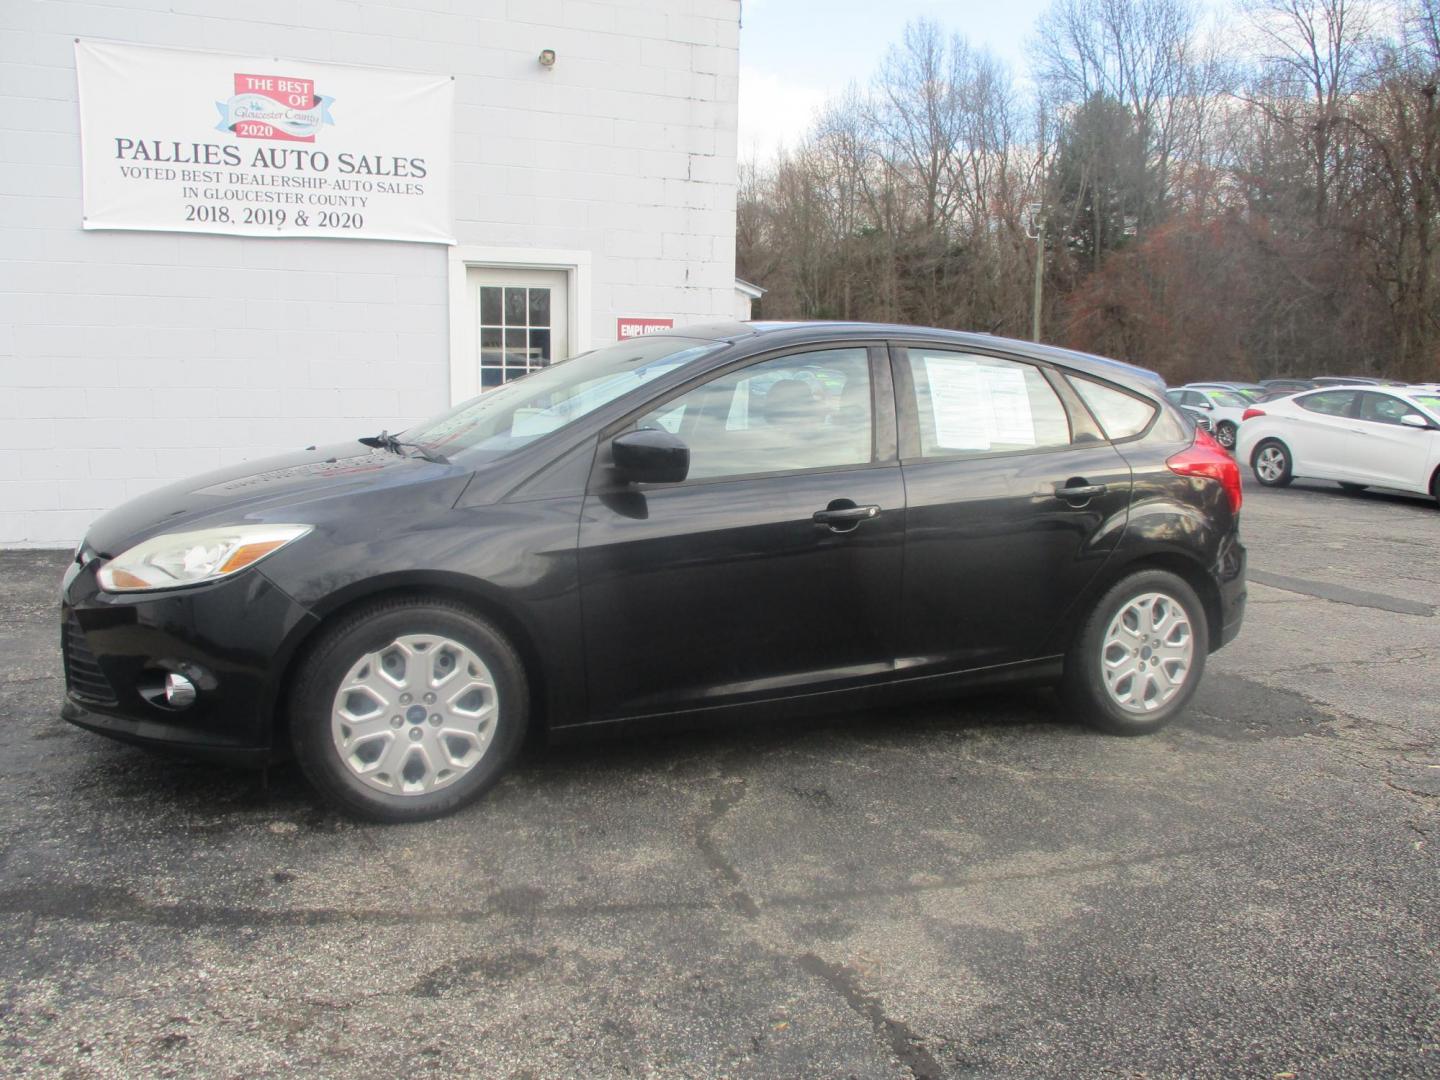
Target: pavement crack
720,805
908,1047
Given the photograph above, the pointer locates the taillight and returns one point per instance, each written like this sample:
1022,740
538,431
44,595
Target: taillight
1251,412
1205,457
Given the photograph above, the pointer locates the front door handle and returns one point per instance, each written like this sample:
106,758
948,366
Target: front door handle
1082,491
844,518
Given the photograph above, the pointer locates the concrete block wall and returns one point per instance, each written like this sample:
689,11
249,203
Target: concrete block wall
130,359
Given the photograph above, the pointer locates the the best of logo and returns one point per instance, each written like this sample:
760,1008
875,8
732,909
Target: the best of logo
274,107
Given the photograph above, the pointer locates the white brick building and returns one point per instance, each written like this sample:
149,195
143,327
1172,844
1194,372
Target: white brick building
605,184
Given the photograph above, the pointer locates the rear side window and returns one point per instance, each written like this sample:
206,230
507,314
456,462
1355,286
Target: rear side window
1328,402
970,404
1121,415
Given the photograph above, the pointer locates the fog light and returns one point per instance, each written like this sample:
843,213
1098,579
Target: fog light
179,691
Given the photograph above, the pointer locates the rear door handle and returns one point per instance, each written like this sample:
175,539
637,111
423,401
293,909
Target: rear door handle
1080,491
844,518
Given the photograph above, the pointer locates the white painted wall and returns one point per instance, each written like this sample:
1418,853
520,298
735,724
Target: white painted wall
131,359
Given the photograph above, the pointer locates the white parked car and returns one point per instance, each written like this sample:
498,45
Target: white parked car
1358,436
1224,407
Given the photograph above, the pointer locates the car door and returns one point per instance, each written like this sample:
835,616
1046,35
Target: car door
1319,434
775,567
1386,451
1014,501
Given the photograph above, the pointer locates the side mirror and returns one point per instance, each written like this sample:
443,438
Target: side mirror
1205,405
650,456
1411,420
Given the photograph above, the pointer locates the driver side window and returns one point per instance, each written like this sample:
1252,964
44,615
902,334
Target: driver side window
806,411
1384,409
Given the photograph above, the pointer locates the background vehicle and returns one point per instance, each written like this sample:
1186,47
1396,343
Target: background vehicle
1281,387
1224,407
1353,380
1244,389
729,521
1199,419
1357,436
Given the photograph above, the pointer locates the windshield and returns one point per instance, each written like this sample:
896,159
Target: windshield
1429,402
504,419
1227,399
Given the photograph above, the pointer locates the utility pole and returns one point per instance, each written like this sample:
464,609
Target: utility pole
1037,233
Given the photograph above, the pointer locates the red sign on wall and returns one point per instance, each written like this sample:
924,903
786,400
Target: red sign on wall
630,327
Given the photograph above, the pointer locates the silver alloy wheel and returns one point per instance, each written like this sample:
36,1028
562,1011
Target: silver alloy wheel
1147,653
1225,435
1270,463
416,715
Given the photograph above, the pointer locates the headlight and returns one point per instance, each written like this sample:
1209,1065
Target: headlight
171,560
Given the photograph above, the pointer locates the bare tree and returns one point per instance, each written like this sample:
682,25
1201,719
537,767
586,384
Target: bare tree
1317,52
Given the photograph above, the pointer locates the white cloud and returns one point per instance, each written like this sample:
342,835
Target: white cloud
773,112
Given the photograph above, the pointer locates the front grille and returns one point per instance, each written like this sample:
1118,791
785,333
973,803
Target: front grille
82,674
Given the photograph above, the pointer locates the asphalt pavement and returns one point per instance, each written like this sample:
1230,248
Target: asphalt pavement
975,888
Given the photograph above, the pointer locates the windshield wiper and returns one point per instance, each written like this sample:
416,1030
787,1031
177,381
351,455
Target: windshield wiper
386,441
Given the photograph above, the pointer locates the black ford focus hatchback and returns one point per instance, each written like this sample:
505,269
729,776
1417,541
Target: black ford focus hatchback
728,521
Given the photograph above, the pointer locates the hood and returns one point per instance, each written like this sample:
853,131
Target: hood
286,488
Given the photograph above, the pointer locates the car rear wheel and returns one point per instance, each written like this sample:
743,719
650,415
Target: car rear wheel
1225,434
1270,462
408,710
1139,655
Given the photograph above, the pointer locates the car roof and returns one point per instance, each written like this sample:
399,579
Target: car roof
780,334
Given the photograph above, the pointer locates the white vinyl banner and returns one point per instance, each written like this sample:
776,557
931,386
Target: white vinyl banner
254,146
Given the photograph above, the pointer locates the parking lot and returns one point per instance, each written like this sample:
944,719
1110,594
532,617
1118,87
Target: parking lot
976,888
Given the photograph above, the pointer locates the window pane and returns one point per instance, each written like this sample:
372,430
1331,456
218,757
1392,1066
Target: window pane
514,307
539,307
490,377
808,411
516,343
490,338
540,345
1384,409
490,304
1120,414
1328,402
982,405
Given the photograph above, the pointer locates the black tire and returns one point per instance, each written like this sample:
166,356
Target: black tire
1354,489
1082,688
1225,433
371,629
1286,474
1435,486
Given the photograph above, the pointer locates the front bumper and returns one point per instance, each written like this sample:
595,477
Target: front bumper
232,639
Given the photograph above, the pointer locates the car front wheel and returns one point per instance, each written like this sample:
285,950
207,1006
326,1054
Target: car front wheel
1271,463
1139,655
1225,434
408,710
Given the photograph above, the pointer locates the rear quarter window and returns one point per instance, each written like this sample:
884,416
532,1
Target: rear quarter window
1121,415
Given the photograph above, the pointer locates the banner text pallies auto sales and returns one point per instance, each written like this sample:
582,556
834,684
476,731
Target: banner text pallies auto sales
268,157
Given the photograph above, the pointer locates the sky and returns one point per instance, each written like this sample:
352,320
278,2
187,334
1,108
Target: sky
796,53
